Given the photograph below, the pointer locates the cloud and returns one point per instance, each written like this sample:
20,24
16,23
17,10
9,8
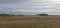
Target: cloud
22,6
29,6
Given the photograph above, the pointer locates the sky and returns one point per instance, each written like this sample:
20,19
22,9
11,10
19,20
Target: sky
30,7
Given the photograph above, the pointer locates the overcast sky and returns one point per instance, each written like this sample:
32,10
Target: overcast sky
27,7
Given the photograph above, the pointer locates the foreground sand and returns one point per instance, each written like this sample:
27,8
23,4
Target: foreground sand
30,22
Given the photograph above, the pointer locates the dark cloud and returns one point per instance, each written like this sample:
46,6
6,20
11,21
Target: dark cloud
11,1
